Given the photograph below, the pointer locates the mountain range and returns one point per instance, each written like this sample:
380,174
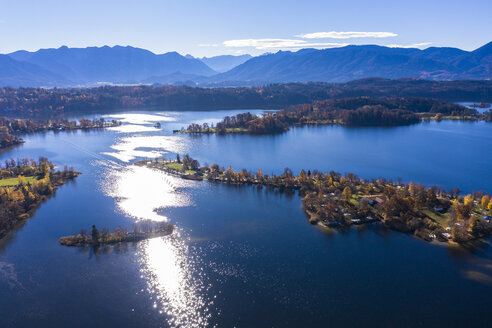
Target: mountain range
70,67
357,62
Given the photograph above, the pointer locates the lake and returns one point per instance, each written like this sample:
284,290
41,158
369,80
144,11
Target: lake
241,256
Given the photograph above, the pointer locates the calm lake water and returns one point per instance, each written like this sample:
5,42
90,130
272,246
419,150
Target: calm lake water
242,257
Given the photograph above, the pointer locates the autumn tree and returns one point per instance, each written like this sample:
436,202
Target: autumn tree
485,201
95,234
347,193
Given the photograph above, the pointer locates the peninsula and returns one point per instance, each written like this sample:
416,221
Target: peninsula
356,111
10,128
335,200
24,185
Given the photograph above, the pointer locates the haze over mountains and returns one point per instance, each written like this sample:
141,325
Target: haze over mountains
79,66
225,63
356,62
69,67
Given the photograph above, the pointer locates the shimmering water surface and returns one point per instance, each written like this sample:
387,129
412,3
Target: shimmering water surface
241,256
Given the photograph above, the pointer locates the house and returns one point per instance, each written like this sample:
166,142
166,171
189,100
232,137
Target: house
373,200
447,235
379,200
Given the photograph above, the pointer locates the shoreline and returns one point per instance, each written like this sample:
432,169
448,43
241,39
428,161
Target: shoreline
335,209
34,196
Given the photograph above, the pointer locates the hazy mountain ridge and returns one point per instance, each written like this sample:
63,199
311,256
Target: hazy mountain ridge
356,62
110,64
15,73
65,66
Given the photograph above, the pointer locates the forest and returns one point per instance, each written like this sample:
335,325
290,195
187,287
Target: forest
24,185
335,200
57,102
357,111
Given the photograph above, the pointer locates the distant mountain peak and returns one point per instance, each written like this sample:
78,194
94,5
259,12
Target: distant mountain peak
486,49
224,63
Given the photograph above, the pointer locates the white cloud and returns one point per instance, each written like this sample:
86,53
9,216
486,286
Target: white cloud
276,44
414,45
346,35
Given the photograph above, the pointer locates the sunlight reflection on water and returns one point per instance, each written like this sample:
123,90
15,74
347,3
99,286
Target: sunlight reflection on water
175,279
177,287
131,128
141,118
129,148
140,191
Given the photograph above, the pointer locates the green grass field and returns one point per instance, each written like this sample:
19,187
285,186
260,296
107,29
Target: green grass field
442,219
175,166
14,181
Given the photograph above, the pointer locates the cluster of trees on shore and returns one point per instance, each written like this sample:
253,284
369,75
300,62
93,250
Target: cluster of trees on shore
9,127
29,126
35,181
54,102
358,111
342,200
7,139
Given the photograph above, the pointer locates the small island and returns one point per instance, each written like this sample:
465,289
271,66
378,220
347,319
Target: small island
24,185
358,111
332,200
141,231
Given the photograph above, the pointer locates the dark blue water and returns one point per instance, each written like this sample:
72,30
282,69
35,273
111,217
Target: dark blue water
243,257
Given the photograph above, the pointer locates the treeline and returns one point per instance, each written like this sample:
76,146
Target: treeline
55,102
21,126
359,111
28,184
411,104
9,127
377,116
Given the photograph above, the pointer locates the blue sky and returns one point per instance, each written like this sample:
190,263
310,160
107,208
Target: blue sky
212,27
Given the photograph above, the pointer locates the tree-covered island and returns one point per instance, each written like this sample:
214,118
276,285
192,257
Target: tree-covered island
24,185
358,111
335,200
140,231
